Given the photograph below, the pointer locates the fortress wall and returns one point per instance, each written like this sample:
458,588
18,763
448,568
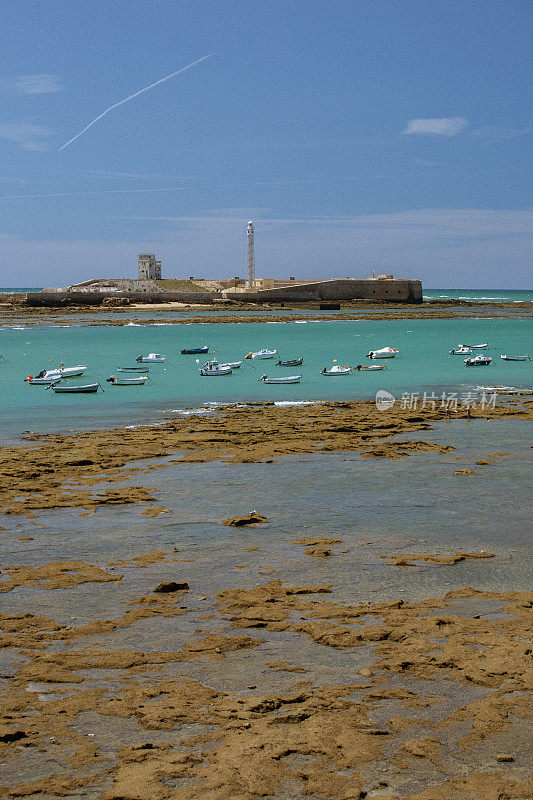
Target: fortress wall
400,291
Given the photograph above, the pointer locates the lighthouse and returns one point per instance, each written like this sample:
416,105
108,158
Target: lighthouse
251,257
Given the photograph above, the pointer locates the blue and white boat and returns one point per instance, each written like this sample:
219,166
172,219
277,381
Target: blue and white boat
478,361
194,351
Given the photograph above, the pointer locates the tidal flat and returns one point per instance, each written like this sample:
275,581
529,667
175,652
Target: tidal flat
371,638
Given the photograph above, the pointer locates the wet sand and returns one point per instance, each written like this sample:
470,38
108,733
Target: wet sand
258,687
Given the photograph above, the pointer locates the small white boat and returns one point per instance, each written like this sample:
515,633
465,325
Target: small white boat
370,368
287,379
476,346
336,370
151,358
262,354
478,361
50,375
42,381
460,351
213,368
516,358
233,364
86,389
384,352
140,380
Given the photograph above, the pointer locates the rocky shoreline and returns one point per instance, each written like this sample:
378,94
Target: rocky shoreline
59,471
197,682
10,313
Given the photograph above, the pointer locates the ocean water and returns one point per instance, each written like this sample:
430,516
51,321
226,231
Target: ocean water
481,295
423,365
19,289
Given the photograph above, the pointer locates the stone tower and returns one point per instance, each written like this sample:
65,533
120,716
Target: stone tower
149,268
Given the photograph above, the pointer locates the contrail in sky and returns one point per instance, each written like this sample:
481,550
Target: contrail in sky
121,102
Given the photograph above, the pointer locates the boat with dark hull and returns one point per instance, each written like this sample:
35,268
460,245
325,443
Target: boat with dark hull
292,362
194,351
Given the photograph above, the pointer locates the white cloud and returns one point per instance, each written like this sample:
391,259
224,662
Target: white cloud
445,126
39,83
28,136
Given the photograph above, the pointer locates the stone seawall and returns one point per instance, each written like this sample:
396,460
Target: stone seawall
399,291
52,299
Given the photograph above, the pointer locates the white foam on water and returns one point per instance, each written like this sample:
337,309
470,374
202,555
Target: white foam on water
186,412
287,403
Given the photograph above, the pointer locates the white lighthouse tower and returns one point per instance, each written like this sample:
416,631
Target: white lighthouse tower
251,257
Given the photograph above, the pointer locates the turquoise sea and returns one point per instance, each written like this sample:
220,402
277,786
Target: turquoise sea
176,387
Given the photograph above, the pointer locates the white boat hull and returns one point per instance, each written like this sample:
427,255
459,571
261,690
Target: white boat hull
336,371
130,381
151,358
515,358
262,354
385,352
287,379
212,373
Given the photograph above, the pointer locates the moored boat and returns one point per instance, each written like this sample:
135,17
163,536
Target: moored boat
336,370
194,351
370,368
478,361
292,362
516,358
233,364
151,358
50,375
460,351
384,352
476,346
140,380
265,353
287,379
213,368
86,389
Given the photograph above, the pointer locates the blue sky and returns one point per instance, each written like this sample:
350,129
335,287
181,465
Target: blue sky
393,136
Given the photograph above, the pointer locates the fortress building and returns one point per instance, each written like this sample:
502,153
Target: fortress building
149,268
